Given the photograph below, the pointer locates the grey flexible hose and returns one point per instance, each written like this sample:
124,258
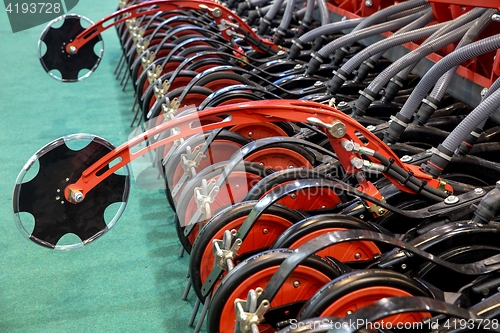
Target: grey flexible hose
304,26
392,70
365,68
256,3
383,14
380,16
330,28
467,52
323,12
300,14
268,18
471,35
380,47
318,58
454,24
442,155
280,32
369,94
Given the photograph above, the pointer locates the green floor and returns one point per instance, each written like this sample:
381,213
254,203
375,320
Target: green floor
130,280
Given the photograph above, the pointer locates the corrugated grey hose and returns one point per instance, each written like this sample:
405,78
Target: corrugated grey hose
402,36
444,152
307,20
331,28
318,58
368,95
432,102
467,52
324,13
318,33
472,138
280,32
265,22
378,17
396,83
367,65
249,4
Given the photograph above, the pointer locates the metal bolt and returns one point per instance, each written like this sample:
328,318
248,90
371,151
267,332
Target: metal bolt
357,162
484,92
298,66
406,158
318,83
451,200
250,134
323,207
265,231
368,3
348,145
58,190
293,196
497,185
337,129
77,196
291,167
261,164
381,211
72,49
237,186
478,191
370,128
296,284
348,312
403,266
342,104
361,216
58,198
357,255
498,288
495,17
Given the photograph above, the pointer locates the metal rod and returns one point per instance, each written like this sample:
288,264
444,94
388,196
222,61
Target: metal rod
204,310
195,311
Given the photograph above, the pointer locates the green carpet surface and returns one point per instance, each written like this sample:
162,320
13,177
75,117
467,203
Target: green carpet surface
131,279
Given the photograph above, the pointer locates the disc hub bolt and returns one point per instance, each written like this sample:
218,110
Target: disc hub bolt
451,200
296,284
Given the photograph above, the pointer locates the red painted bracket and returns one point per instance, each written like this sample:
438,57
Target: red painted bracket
249,113
224,17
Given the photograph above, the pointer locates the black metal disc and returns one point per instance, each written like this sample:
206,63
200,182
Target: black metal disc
43,196
56,56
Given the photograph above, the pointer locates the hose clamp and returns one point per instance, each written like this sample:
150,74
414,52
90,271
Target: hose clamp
339,75
361,92
435,151
399,122
432,105
396,81
315,56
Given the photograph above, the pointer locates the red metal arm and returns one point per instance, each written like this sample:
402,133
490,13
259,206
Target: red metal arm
246,113
220,14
